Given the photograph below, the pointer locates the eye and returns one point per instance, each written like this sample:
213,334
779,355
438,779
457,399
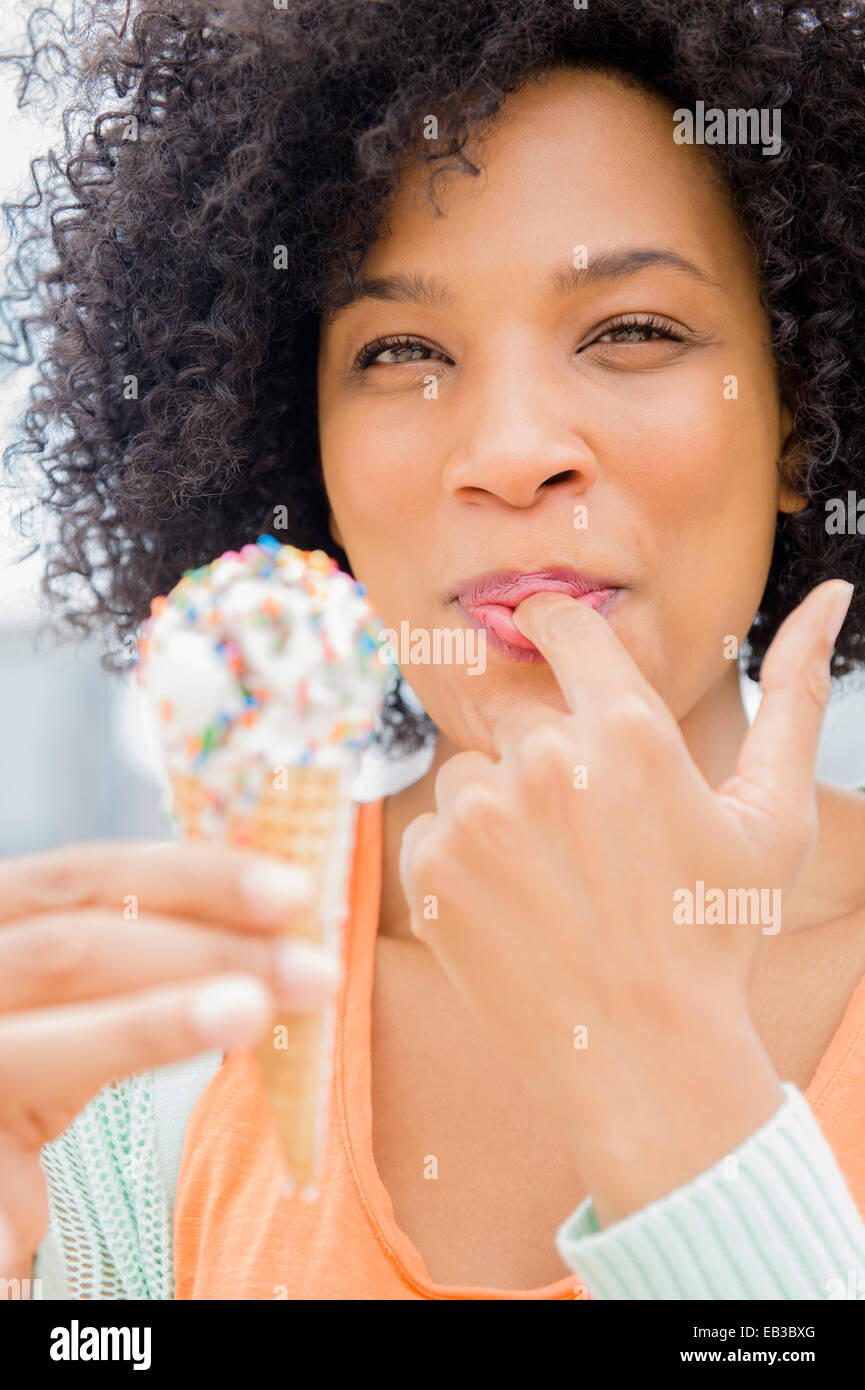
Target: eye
396,344
633,329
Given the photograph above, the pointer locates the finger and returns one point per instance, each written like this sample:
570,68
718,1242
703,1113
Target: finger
413,835
776,768
520,718
587,658
210,882
90,954
458,772
52,1061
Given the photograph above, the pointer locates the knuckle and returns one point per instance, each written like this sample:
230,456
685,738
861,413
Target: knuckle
630,711
414,834
447,784
421,855
543,753
61,955
818,688
426,858
631,722
473,805
62,877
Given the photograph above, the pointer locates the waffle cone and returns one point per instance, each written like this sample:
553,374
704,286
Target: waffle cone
305,816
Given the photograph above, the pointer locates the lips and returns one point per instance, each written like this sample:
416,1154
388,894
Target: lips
489,601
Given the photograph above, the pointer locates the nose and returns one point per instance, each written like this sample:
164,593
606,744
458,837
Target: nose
521,438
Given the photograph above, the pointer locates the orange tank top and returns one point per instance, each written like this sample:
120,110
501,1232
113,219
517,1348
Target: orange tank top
238,1237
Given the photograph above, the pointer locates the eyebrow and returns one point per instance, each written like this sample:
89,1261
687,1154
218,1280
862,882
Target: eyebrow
414,287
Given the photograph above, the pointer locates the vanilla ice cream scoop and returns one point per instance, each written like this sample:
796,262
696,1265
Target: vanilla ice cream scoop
266,656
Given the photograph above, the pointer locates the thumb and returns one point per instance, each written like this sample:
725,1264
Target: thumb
776,768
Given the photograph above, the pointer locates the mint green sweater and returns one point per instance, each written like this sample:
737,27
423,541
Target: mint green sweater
774,1220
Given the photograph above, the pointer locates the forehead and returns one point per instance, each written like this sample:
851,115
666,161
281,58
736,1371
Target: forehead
574,157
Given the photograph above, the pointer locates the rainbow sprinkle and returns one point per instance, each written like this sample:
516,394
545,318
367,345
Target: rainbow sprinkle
196,600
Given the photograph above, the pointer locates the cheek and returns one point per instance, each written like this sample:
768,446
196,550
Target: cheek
375,483
703,490
372,500
704,456
705,479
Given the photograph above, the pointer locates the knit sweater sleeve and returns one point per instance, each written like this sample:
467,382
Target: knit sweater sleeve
109,1211
774,1219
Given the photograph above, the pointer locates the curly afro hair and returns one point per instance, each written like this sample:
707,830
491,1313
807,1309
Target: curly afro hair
181,348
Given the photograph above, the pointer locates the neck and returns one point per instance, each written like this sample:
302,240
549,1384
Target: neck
715,727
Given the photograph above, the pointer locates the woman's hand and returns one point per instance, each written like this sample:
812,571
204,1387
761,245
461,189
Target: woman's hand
557,901
117,957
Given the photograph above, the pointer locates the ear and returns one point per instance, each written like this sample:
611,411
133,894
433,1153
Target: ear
789,499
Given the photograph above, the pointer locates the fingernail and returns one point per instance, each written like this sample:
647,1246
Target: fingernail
836,609
308,976
231,1012
271,889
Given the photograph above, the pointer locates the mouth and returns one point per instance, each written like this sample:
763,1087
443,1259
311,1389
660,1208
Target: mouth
488,602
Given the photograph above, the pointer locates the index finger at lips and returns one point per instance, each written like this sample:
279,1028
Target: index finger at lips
207,882
587,658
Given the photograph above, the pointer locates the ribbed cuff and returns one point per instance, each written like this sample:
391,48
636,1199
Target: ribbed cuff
774,1220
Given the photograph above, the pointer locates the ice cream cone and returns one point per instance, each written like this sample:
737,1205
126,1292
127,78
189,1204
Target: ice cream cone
305,816
263,670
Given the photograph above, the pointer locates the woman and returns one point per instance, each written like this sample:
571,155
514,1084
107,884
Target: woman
558,377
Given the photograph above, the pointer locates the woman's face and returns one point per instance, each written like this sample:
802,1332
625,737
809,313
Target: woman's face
550,397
